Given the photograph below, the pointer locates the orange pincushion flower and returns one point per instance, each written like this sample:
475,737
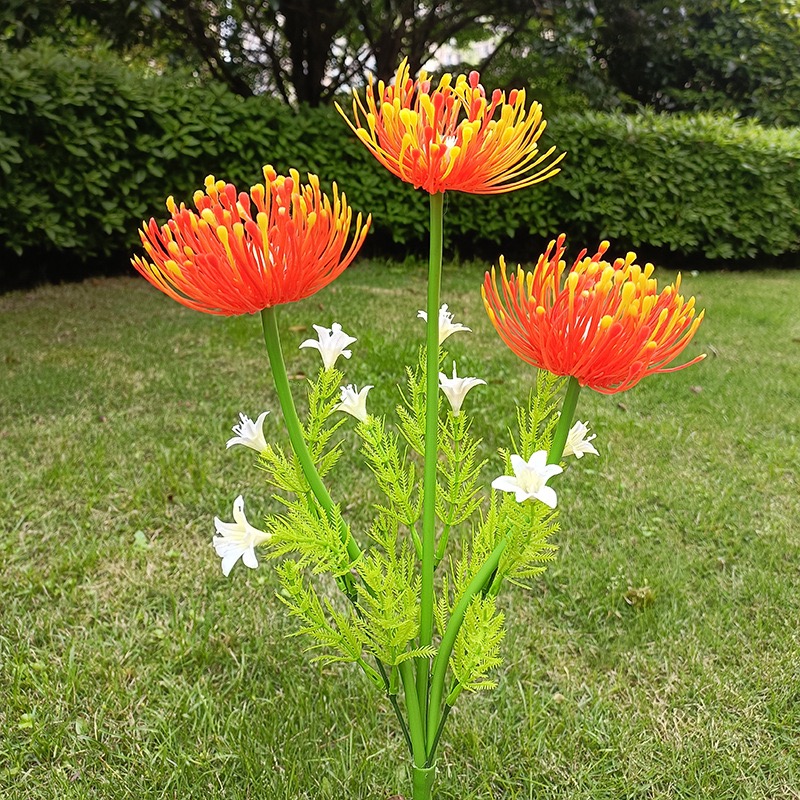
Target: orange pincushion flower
453,137
607,326
241,253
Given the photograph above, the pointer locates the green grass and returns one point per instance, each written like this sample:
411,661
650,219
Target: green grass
130,668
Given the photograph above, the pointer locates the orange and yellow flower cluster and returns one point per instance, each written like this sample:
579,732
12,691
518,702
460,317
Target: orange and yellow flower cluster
241,253
453,137
607,325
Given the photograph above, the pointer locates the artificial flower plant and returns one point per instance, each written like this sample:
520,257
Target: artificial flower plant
423,629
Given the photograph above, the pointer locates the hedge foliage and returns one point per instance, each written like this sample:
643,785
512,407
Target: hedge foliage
89,147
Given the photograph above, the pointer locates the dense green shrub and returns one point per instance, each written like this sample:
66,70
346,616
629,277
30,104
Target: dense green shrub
692,184
89,147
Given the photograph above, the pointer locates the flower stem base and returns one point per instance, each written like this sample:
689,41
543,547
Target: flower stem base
423,782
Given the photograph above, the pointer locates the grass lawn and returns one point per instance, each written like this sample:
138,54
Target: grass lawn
658,657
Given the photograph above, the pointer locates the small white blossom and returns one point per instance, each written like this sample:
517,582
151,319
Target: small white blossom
529,479
354,402
237,539
455,388
449,144
446,325
331,343
577,441
249,433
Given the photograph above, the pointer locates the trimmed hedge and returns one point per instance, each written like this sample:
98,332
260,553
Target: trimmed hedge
89,147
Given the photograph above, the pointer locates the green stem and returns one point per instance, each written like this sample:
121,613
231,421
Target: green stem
370,673
416,728
442,546
395,706
295,429
439,729
431,451
442,659
417,541
564,421
423,782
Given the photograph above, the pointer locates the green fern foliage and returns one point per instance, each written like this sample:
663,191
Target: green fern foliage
282,471
527,528
537,422
385,531
474,552
477,647
383,585
395,474
458,497
337,635
411,412
323,397
389,608
312,535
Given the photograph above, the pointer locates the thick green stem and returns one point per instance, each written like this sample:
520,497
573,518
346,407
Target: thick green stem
416,728
431,451
442,659
423,782
295,429
564,421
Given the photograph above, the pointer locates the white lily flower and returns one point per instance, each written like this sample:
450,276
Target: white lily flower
456,388
354,402
331,343
249,433
529,479
577,441
446,325
237,539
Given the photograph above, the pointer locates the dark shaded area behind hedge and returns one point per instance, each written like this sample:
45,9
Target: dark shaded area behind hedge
88,148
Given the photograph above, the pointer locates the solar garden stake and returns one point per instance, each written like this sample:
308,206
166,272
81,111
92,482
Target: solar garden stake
421,622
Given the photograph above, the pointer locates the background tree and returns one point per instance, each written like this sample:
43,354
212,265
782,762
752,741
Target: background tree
737,56
744,57
304,51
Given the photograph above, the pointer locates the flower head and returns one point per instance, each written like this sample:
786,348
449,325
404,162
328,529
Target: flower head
446,325
331,343
578,443
608,326
453,137
354,402
237,539
249,433
529,479
455,388
240,253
